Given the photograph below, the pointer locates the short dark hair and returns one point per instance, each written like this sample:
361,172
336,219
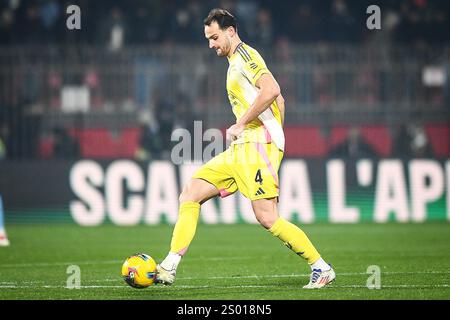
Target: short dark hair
223,18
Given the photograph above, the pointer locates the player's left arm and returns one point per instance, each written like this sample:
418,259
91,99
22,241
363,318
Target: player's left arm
269,90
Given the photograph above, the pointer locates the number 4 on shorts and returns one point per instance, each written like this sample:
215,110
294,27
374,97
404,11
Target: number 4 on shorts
258,177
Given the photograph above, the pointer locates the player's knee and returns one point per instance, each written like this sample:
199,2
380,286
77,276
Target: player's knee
185,196
265,212
266,220
188,194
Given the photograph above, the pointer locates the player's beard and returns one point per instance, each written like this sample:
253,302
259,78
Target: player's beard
220,53
223,51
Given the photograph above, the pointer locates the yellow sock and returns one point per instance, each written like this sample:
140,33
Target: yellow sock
295,239
185,227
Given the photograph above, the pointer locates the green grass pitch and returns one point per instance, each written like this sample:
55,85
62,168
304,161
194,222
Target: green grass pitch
227,262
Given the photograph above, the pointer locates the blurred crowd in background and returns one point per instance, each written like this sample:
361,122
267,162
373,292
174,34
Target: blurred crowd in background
138,22
144,69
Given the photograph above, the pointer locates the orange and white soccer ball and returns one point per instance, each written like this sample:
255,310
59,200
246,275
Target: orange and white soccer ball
139,270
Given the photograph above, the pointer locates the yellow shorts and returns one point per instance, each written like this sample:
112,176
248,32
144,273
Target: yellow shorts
251,168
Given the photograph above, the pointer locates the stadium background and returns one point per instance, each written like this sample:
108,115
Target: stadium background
117,88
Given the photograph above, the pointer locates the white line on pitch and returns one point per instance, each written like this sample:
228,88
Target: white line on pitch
53,264
307,275
118,279
228,287
290,275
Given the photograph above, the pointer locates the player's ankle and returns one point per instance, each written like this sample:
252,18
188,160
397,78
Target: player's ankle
171,261
320,264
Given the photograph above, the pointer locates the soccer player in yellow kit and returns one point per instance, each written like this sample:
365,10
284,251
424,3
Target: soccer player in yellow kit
251,163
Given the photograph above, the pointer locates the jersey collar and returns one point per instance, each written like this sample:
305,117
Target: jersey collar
236,49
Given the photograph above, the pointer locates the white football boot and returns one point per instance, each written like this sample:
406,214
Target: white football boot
320,278
165,277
